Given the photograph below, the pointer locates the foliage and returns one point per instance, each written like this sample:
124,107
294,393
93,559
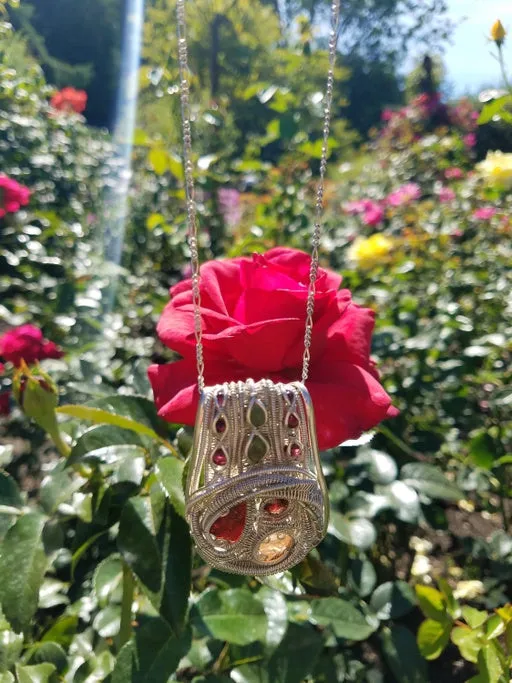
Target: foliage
99,581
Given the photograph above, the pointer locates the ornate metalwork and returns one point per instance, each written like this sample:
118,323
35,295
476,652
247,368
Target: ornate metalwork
256,497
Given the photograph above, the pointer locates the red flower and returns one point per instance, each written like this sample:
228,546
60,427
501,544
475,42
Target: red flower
27,343
69,99
253,316
12,195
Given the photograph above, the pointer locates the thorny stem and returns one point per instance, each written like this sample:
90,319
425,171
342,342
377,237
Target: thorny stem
503,68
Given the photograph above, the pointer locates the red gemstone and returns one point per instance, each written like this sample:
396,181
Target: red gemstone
276,506
295,451
220,425
219,457
231,526
293,421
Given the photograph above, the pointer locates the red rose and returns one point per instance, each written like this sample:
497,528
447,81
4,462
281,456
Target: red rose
27,343
69,99
253,316
12,195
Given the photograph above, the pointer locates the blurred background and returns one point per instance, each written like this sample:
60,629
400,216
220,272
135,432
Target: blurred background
417,566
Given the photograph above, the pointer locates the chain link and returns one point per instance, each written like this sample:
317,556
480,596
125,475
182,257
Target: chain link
190,191
319,204
189,188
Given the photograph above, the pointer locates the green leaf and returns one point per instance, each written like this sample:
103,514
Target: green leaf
176,551
10,497
233,615
169,472
158,160
22,566
103,417
482,451
495,627
360,533
39,673
11,645
474,617
137,542
402,655
152,655
296,655
94,441
432,602
433,637
57,488
49,652
345,619
392,600
276,610
430,480
468,641
362,576
62,631
490,663
497,107
6,677
108,621
108,580
154,220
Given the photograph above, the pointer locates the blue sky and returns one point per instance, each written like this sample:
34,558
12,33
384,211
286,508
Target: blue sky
468,60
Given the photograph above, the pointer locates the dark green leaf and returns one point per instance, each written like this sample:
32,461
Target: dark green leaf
362,576
276,610
430,480
233,615
345,619
104,436
482,450
392,600
152,655
402,655
57,488
138,544
49,652
62,631
22,566
10,497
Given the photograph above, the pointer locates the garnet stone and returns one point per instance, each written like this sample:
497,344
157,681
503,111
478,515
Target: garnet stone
220,425
276,506
295,451
293,421
230,527
219,457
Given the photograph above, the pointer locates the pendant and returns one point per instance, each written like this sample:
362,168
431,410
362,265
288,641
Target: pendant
256,498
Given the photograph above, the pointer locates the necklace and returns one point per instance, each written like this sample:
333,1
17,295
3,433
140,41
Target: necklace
256,498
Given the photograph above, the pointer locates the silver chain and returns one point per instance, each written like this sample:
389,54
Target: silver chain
190,191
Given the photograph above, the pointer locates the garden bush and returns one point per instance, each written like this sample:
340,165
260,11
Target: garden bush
98,577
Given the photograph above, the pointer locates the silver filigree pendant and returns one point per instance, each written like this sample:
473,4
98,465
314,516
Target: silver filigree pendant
256,499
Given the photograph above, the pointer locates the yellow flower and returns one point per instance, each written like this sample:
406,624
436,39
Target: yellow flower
366,252
497,169
498,33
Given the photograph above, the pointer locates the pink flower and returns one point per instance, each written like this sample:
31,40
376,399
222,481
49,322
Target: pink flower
446,194
27,343
12,195
485,213
387,114
470,140
454,173
373,214
405,194
356,207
